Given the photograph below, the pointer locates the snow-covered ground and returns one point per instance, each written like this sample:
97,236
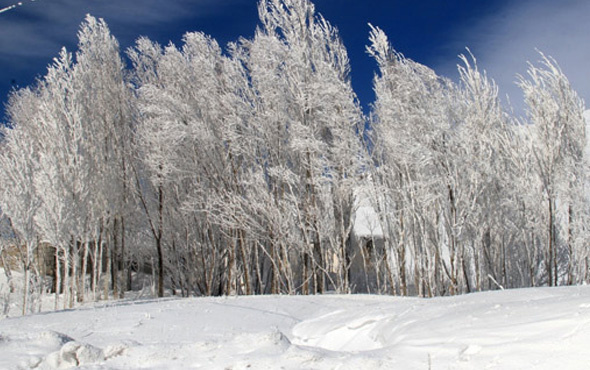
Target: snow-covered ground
539,328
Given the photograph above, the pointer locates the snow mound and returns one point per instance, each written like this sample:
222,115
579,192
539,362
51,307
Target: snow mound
74,354
342,331
28,349
265,341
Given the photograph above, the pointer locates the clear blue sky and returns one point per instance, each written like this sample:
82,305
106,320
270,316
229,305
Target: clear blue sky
502,34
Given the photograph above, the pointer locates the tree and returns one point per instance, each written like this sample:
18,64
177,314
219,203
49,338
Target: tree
410,131
300,71
107,115
81,104
558,139
19,197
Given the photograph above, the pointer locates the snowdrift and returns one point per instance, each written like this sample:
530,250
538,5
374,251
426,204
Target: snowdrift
542,328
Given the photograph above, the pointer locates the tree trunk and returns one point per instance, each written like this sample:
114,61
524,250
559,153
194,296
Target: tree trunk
231,286
159,242
57,281
27,278
82,286
74,255
245,264
274,266
570,245
107,274
115,260
305,273
550,246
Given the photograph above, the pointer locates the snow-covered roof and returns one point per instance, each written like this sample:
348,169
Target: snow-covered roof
366,220
366,223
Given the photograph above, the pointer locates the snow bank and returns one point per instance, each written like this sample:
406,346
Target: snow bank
543,328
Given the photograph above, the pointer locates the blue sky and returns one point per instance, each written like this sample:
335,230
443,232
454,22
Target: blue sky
502,34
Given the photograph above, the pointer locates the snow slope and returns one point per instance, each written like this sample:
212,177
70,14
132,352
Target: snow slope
543,328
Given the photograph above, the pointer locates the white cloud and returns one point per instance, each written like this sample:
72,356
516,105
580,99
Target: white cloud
504,42
31,35
41,28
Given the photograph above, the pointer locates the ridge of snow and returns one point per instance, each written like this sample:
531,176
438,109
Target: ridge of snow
544,328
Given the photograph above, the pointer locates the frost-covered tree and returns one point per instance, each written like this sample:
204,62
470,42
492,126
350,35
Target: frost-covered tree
410,133
300,71
485,137
106,98
82,105
558,140
190,135
442,172
239,170
19,196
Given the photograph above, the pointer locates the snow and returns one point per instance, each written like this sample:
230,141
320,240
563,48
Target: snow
366,220
541,328
366,223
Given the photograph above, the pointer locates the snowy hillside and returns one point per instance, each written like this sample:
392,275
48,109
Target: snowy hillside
532,328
